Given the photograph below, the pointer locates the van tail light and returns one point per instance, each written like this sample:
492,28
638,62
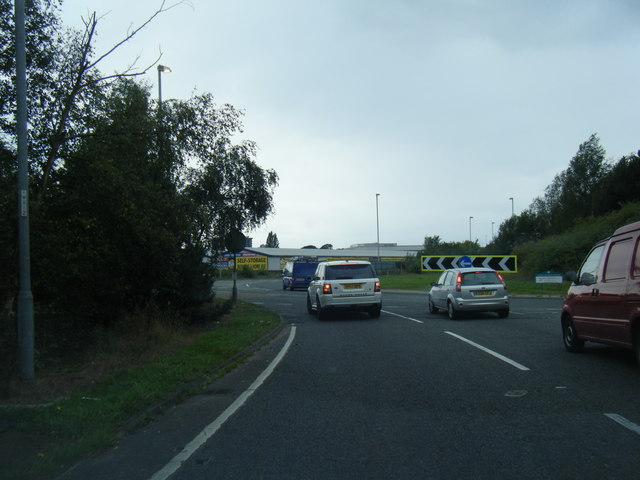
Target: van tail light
376,287
459,283
326,289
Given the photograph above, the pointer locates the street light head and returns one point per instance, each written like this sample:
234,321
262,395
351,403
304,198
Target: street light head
164,69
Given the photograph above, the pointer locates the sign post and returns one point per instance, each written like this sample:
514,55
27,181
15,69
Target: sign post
235,241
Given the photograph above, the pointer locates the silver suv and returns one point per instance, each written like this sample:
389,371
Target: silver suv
344,284
469,290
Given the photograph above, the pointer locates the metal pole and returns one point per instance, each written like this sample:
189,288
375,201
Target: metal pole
234,291
25,297
160,86
378,230
512,212
470,228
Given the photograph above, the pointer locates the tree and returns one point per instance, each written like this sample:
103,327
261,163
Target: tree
272,241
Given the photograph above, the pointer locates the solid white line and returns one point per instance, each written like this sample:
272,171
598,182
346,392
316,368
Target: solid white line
490,352
624,422
213,427
402,316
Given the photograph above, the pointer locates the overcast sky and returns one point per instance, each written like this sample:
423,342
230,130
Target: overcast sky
446,108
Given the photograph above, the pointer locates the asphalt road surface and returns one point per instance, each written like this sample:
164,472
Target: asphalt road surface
411,395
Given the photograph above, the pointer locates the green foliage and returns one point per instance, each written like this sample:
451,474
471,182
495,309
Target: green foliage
272,241
435,246
566,251
127,199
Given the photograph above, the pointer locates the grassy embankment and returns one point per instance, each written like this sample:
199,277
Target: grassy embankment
39,441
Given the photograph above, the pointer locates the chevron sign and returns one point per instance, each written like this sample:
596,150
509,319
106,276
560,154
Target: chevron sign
500,263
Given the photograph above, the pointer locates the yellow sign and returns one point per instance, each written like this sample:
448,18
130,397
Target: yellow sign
252,263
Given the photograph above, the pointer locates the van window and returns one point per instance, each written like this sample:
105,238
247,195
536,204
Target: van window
590,265
618,260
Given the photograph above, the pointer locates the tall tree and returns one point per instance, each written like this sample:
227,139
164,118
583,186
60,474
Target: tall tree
272,241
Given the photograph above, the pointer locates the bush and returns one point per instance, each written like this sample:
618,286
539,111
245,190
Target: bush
565,252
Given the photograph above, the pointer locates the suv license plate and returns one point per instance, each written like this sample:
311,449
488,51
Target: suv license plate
352,285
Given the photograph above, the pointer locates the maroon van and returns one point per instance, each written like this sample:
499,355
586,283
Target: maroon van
603,303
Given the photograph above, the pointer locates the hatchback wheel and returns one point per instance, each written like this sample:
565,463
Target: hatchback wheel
571,341
503,313
451,311
432,307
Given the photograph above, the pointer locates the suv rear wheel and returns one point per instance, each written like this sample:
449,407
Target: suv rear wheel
309,306
320,313
636,345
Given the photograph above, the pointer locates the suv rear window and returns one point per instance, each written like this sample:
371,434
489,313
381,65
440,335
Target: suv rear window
480,278
349,272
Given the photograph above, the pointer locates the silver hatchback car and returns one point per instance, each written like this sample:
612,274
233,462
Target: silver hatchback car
469,290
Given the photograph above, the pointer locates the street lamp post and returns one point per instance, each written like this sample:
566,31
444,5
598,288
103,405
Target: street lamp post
161,69
511,198
492,230
25,296
378,230
470,228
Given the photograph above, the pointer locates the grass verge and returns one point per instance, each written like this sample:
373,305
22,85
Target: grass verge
39,441
516,284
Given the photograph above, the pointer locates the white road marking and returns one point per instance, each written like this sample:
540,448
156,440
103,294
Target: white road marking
624,422
490,352
402,316
210,430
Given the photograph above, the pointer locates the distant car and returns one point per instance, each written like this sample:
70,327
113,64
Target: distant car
298,274
344,285
469,290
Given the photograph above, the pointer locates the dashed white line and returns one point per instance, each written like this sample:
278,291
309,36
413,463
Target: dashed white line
177,461
624,422
402,316
513,363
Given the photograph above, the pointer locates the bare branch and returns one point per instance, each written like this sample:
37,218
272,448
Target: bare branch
132,33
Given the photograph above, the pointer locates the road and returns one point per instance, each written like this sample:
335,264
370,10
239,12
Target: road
413,395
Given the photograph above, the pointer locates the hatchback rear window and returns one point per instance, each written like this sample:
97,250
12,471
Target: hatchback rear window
349,272
480,278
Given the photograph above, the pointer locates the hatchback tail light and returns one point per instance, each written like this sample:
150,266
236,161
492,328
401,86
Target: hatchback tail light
376,287
502,280
326,289
459,283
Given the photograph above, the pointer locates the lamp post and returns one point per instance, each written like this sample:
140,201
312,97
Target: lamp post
161,69
470,228
25,296
511,198
378,230
492,230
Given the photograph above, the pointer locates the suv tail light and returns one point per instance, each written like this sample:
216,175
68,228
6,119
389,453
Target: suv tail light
326,289
459,283
376,287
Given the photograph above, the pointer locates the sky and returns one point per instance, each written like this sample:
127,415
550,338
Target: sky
445,108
